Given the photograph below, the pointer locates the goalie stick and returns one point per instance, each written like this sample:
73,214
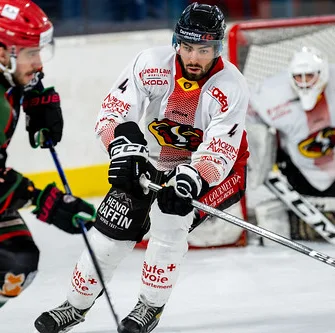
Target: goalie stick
147,184
300,206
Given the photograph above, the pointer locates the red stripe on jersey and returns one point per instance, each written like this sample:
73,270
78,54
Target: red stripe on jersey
318,119
234,184
15,234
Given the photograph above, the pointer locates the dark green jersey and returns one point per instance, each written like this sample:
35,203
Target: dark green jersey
9,111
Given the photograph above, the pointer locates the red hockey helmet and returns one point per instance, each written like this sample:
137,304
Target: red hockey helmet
23,23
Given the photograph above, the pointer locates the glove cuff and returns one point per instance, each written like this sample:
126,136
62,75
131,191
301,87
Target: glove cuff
121,140
45,202
188,180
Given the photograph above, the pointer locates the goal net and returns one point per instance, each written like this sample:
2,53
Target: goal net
263,48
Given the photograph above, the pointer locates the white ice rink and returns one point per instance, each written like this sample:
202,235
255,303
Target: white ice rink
248,290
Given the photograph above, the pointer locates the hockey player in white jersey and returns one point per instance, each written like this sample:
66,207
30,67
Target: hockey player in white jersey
193,105
299,104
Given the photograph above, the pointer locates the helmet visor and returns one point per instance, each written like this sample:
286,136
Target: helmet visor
306,80
204,44
306,86
33,55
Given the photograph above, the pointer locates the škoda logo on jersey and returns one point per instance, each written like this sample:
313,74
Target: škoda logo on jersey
179,136
154,76
318,144
220,97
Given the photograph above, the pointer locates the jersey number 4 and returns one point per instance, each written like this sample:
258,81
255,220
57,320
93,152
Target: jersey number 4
123,86
232,130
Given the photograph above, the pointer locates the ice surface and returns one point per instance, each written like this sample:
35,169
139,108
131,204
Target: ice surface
249,290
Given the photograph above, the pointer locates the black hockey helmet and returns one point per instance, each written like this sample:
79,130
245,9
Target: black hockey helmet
200,24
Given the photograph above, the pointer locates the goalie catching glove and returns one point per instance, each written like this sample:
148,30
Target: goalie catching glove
129,159
63,210
186,184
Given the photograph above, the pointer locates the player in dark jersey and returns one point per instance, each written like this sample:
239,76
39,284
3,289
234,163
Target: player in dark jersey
26,35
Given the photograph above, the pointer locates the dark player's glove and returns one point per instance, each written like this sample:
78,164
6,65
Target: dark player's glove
129,159
176,196
15,190
43,116
63,210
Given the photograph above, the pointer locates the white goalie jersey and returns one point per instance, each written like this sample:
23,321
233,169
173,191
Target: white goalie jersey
308,137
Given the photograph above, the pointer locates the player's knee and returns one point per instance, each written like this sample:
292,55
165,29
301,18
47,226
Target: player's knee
108,249
18,267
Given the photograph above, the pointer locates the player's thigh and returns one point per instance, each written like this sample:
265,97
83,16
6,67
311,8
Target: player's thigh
19,256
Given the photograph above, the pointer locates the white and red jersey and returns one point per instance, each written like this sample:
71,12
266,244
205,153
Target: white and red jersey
308,137
198,122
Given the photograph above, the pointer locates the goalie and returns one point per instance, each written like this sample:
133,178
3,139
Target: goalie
291,122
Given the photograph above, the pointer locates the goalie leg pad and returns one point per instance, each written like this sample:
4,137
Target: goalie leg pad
216,232
272,215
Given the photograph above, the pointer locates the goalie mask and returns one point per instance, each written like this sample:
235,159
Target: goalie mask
200,24
25,28
309,74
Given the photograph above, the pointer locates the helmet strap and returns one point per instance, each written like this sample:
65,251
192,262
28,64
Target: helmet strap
8,71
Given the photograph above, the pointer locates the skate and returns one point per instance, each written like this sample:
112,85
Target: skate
142,319
60,320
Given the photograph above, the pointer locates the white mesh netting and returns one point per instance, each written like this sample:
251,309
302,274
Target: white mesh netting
270,50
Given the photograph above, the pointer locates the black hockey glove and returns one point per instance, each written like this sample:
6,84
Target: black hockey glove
129,159
15,190
63,210
43,116
176,196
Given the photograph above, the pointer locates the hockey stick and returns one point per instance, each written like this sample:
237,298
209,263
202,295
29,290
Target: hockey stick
253,228
300,206
83,231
